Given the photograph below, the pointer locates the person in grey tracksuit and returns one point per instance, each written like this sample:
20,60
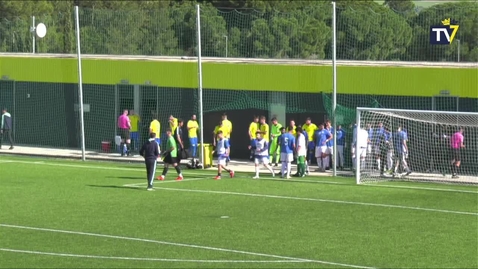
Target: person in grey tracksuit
6,128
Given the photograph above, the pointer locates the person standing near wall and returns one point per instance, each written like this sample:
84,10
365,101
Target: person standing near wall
6,128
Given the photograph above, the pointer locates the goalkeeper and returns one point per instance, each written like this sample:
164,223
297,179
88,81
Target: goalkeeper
274,148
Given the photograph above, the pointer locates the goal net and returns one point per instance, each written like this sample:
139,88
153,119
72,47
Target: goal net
415,145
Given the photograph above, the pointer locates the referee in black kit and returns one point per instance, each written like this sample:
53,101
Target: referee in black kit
150,152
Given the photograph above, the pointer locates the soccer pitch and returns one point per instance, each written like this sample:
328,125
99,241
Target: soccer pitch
60,213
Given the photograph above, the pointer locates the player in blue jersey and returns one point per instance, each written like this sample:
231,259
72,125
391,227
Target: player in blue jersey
321,137
286,141
330,146
400,147
377,143
261,154
340,147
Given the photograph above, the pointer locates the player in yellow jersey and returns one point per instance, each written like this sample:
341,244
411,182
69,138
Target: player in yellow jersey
134,119
218,128
173,123
155,127
264,128
253,128
227,124
310,129
193,128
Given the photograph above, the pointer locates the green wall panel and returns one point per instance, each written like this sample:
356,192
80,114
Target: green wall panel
375,80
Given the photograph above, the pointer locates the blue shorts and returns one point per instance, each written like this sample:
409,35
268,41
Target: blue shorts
134,135
193,141
311,145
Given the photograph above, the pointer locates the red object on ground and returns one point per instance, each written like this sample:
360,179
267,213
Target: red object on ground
106,146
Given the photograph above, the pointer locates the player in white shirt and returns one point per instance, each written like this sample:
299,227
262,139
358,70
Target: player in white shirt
261,154
361,139
301,152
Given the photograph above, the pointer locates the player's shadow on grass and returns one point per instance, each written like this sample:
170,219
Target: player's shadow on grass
116,187
126,177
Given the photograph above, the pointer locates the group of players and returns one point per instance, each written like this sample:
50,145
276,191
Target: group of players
378,148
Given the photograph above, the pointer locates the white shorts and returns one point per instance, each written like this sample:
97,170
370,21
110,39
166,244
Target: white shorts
362,152
320,150
261,159
221,160
330,150
286,157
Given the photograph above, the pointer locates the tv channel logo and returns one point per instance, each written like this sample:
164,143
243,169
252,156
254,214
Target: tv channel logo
445,33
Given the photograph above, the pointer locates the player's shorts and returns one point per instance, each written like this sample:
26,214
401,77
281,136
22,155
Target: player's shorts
320,150
456,155
330,150
170,160
221,160
261,159
134,135
286,157
193,141
376,149
311,146
362,152
124,133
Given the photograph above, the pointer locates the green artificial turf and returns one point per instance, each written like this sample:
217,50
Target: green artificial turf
59,213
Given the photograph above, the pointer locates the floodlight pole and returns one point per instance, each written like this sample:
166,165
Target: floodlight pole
80,84
225,36
33,34
459,49
334,85
200,112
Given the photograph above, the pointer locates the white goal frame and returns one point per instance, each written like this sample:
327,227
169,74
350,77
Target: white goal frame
385,110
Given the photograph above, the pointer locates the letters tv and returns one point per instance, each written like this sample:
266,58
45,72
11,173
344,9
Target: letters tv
438,36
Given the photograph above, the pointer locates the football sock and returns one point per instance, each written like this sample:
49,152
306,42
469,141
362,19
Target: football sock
283,168
289,167
165,170
257,170
269,168
378,164
178,169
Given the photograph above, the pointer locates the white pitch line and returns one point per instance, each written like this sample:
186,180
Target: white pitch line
183,245
144,259
163,182
326,201
192,173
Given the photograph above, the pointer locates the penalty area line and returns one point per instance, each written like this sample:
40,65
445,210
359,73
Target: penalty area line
326,201
143,259
182,245
163,182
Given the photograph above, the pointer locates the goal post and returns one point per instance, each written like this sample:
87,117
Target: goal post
415,145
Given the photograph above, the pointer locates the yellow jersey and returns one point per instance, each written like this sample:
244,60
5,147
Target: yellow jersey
293,131
193,128
253,127
173,125
220,128
310,130
265,131
134,120
227,124
155,127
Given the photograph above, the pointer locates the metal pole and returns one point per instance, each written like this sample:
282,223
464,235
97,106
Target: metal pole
201,116
14,111
225,36
459,49
33,34
80,85
357,147
334,85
